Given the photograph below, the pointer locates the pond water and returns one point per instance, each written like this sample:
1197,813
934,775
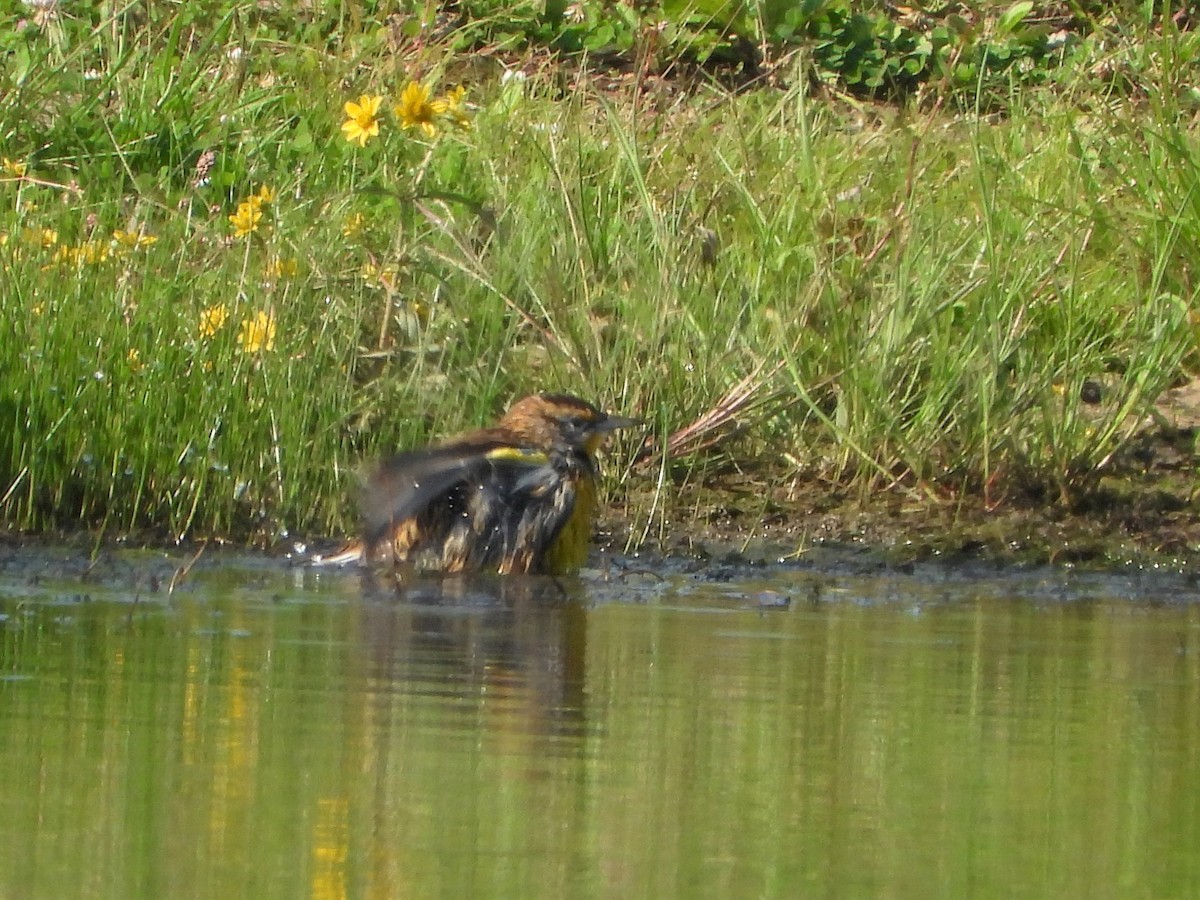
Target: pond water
269,731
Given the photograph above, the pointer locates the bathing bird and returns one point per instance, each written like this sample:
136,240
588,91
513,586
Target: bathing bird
519,497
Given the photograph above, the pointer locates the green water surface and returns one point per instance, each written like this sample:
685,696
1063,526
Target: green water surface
265,732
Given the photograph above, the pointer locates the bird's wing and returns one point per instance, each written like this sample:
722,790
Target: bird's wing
408,483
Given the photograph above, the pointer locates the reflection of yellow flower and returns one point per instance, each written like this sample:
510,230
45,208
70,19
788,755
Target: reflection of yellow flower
416,110
14,168
278,267
362,123
212,319
257,334
354,224
456,108
245,220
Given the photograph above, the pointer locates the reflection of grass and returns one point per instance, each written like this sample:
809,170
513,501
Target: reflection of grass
920,296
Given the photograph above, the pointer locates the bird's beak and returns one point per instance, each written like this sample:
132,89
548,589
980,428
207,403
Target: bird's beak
612,423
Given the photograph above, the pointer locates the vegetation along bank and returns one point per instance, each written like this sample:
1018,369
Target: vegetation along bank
915,278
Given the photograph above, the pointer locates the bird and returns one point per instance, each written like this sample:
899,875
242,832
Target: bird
517,498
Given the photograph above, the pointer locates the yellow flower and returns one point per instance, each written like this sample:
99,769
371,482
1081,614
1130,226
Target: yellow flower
416,110
362,123
87,253
456,107
132,240
354,224
212,319
257,334
42,237
245,220
91,252
14,168
135,360
385,275
264,195
278,267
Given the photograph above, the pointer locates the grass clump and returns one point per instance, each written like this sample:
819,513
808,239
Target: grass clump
234,265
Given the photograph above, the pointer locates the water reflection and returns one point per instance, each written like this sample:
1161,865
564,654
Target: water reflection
517,646
287,733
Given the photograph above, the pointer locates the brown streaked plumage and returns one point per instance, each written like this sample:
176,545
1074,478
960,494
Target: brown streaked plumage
519,497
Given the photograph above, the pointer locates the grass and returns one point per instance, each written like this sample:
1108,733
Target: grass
916,295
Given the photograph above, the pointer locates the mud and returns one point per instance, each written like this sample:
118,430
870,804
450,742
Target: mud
1140,510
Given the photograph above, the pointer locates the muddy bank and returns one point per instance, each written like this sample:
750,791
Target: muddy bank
1117,527
1141,509
1147,520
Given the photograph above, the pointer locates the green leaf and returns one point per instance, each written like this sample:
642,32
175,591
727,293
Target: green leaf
1013,16
302,138
21,64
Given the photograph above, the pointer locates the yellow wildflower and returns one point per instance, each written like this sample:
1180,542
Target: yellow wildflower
133,240
91,252
362,123
456,107
87,253
14,168
42,237
212,319
259,199
257,334
354,224
134,359
245,220
278,267
385,275
416,110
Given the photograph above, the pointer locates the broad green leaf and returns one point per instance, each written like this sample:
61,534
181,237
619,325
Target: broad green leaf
1013,16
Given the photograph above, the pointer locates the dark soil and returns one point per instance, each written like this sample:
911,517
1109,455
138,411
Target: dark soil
1142,510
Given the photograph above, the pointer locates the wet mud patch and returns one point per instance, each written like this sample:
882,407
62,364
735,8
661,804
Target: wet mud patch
1141,511
1145,521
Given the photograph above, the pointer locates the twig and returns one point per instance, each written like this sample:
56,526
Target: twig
182,572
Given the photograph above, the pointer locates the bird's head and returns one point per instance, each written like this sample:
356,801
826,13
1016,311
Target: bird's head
558,420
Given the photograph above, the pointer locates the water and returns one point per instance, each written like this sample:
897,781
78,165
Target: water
266,732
